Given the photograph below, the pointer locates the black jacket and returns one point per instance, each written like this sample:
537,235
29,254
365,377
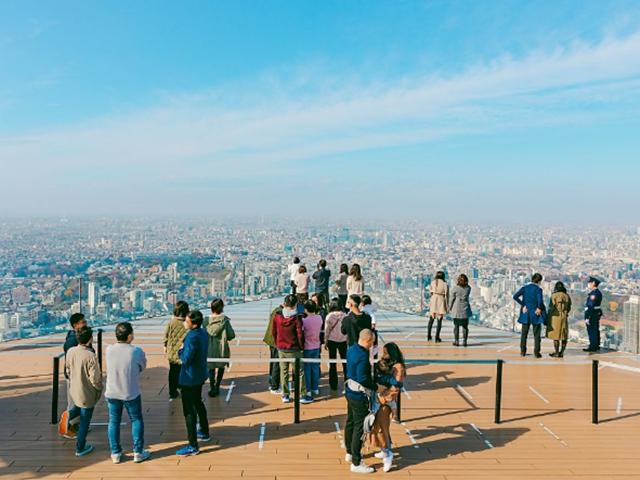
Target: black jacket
352,325
322,277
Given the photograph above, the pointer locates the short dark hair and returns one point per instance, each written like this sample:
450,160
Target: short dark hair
217,306
334,306
536,278
344,268
290,301
123,330
296,259
366,300
463,280
302,269
181,309
196,317
440,275
75,319
322,263
355,299
310,307
84,335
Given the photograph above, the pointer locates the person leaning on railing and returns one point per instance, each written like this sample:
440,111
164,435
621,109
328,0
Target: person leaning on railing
173,337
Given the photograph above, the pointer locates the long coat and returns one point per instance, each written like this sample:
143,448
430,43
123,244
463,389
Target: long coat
459,305
439,300
220,334
558,321
530,296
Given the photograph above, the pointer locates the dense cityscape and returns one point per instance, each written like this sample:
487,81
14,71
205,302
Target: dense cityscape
133,268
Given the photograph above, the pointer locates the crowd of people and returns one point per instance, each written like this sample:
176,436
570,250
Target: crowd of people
197,349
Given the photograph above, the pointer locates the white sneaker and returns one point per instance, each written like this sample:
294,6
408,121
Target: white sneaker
116,458
316,392
142,456
347,458
387,462
380,455
362,468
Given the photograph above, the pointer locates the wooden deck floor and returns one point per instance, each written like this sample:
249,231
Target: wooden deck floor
447,430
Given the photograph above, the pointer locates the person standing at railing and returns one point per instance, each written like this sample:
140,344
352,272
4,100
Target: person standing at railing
85,378
173,337
274,367
355,321
220,331
355,281
322,276
460,309
125,363
336,341
438,303
359,389
288,336
311,326
558,319
592,315
302,284
193,374
293,271
532,313
341,284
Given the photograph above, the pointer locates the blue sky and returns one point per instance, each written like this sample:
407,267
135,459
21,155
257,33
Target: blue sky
460,111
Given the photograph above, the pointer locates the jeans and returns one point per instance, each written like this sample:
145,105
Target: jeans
134,410
537,329
593,330
85,415
194,412
174,375
312,370
336,348
357,410
284,372
274,369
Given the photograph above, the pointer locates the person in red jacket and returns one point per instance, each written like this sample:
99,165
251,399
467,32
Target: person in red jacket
289,340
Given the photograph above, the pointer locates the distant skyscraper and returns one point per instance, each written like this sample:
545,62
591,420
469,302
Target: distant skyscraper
173,272
92,297
387,279
475,273
135,296
631,318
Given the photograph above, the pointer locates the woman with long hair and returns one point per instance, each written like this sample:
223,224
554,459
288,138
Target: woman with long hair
558,319
341,283
355,282
302,284
390,372
438,303
460,309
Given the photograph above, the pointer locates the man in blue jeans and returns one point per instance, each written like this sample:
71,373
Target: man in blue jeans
125,362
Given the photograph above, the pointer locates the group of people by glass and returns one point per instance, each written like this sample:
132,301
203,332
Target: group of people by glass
197,348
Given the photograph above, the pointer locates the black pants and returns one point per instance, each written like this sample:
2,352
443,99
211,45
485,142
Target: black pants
274,370
336,348
593,329
357,410
174,375
323,299
438,327
293,287
537,329
194,412
464,323
215,378
342,301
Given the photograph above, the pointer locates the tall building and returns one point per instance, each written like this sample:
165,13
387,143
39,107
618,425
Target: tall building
631,329
135,296
93,297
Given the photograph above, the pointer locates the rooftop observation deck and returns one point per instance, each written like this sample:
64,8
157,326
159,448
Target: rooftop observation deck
448,429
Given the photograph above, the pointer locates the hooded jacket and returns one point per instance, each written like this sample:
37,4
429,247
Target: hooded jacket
287,331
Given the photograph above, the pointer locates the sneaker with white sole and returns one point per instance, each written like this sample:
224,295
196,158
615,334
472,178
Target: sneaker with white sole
347,458
85,451
116,458
387,462
306,399
286,399
362,468
380,454
141,457
275,391
316,392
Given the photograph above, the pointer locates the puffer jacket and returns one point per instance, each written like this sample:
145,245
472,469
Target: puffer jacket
173,338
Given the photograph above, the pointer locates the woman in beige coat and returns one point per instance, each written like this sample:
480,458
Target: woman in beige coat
558,319
438,304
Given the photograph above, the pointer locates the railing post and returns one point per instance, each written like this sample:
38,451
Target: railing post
100,348
55,389
594,392
499,364
399,406
296,390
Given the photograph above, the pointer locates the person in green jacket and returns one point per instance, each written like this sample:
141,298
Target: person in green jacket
274,367
220,331
173,338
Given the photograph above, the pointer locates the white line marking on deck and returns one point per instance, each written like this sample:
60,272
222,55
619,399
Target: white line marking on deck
505,348
238,341
410,435
548,430
482,437
404,390
342,445
464,393
538,394
231,387
619,406
406,337
263,428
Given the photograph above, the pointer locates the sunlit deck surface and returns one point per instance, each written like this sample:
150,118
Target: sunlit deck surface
448,428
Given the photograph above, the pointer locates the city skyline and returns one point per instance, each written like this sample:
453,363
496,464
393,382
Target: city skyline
433,111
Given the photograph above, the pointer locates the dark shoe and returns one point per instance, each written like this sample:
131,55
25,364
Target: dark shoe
560,355
588,349
212,393
438,340
523,354
464,344
538,355
429,338
456,344
554,354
